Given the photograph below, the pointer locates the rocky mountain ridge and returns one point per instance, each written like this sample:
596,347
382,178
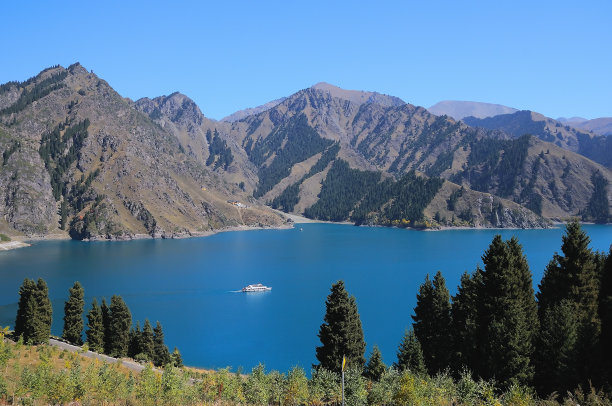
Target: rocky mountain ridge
80,159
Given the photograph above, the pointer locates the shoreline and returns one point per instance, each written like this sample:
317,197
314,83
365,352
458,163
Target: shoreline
23,242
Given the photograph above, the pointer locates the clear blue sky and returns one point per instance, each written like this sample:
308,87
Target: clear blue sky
554,57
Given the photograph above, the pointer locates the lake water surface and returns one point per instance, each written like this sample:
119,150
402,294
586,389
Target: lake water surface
188,285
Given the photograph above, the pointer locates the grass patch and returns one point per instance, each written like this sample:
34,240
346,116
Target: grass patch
4,238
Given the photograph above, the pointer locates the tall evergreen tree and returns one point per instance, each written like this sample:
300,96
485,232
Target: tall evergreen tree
464,317
26,310
375,368
410,354
341,333
119,328
147,343
507,320
432,323
574,277
135,347
106,323
556,349
605,313
44,313
95,328
162,354
73,315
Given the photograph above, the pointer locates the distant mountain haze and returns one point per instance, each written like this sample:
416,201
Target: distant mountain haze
460,109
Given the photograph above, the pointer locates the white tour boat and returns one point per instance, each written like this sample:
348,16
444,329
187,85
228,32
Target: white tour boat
258,287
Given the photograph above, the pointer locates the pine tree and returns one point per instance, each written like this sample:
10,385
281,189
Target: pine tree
106,322
432,323
464,316
147,345
410,354
95,328
43,312
341,333
605,312
119,328
73,315
26,310
375,368
508,318
162,355
177,360
556,349
134,347
574,276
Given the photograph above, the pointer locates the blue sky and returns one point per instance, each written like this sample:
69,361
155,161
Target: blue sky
554,57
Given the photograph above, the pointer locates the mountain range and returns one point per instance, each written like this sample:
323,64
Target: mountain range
80,160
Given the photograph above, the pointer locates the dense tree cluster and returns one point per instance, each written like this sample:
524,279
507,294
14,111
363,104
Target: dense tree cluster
495,328
598,208
287,200
219,153
59,151
290,143
363,198
109,327
38,91
494,161
34,312
342,189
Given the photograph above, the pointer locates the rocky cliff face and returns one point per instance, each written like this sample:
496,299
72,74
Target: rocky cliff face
125,175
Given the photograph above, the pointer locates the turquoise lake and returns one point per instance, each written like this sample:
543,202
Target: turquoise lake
188,285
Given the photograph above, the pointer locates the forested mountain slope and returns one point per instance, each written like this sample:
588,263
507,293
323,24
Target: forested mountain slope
78,157
593,146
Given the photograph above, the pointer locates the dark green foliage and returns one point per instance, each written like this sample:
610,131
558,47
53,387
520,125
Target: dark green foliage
63,214
73,315
452,199
7,154
95,328
287,200
328,155
300,143
177,360
464,318
162,355
95,221
58,157
410,354
341,190
496,162
341,333
605,313
411,195
507,320
556,349
106,325
574,277
134,346
119,327
147,345
40,90
80,194
432,323
34,312
375,367
219,153
598,209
